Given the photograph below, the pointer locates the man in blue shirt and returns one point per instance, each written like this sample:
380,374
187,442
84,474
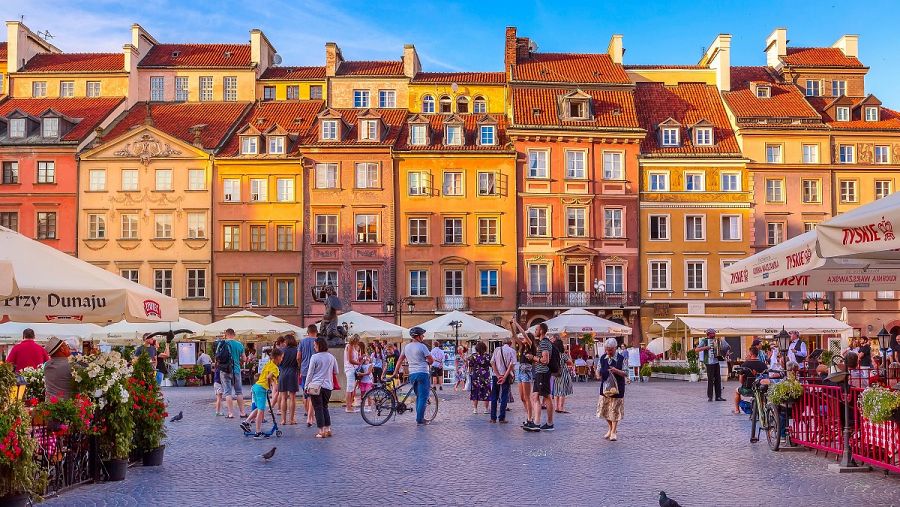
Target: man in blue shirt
710,349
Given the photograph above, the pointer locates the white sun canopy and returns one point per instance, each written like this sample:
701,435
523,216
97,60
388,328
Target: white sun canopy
245,324
472,328
580,321
853,251
753,325
131,333
370,328
52,286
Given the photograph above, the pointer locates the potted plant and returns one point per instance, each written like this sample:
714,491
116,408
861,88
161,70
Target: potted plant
103,378
62,416
34,383
180,377
786,392
20,475
826,358
675,349
646,372
149,413
693,365
879,404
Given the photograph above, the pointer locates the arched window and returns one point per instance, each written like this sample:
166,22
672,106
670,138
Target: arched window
446,104
428,104
479,105
462,105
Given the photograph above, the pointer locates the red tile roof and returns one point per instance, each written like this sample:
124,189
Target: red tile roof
176,120
371,68
470,141
394,120
295,118
819,57
90,112
539,107
198,56
3,51
665,67
686,103
786,101
461,77
76,62
888,118
294,73
569,68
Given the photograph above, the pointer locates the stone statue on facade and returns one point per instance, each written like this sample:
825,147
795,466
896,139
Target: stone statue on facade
334,333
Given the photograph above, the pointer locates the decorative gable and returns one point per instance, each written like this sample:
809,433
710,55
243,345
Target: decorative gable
576,105
703,133
868,109
669,132
370,125
331,125
487,131
419,130
454,130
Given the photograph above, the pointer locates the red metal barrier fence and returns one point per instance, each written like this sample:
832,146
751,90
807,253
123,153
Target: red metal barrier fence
875,444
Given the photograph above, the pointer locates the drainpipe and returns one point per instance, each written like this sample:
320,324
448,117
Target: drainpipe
302,281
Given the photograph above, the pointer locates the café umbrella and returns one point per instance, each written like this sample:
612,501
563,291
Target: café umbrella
131,333
52,286
578,321
245,324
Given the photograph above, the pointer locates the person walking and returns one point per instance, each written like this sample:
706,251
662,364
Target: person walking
206,362
288,380
229,356
437,367
27,353
461,363
419,359
563,384
480,370
710,349
634,362
352,361
306,350
526,346
611,406
377,358
540,393
319,384
503,364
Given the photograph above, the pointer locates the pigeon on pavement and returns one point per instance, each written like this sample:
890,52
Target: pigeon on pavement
178,417
665,501
267,456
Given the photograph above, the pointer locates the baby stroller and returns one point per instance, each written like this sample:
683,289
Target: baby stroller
274,430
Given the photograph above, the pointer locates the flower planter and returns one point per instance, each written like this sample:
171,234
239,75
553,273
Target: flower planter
695,377
180,382
193,382
154,458
14,500
115,469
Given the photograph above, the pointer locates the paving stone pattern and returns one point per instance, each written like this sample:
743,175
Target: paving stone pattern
671,439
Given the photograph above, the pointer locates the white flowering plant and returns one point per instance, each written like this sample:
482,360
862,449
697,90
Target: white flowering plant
103,378
34,382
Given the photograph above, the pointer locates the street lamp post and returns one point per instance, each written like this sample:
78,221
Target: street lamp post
410,306
784,340
456,324
826,304
884,341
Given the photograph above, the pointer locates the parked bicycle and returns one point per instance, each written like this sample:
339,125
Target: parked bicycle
383,401
764,416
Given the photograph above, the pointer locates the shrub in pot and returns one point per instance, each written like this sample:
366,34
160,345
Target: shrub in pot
20,475
149,412
786,392
646,371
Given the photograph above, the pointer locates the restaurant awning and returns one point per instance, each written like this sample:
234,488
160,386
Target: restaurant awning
758,325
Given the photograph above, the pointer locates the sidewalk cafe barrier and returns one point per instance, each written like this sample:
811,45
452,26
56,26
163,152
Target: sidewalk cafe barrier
65,458
817,421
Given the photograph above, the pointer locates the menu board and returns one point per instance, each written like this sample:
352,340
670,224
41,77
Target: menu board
187,354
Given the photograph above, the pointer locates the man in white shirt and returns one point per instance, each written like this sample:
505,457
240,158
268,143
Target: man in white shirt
503,363
437,367
797,349
419,358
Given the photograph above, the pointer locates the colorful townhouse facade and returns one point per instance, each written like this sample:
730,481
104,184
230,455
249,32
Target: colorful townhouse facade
145,198
575,128
258,210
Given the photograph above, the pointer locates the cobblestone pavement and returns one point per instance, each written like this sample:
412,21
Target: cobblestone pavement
671,439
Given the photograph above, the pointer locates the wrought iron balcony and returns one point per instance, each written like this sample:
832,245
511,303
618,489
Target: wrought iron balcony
451,303
578,299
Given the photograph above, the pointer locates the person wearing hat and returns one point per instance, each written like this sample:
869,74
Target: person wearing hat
58,371
420,361
710,349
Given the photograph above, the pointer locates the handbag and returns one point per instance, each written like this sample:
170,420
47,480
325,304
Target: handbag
314,388
610,387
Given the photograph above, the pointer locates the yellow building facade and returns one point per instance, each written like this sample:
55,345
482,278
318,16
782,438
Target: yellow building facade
458,92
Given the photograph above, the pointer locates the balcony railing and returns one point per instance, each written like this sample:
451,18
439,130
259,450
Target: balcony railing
451,303
578,299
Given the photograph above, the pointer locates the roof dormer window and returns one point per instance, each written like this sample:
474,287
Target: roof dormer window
249,145
670,136
368,130
487,135
329,130
577,109
453,135
871,113
276,145
842,113
703,136
17,127
50,127
763,91
418,134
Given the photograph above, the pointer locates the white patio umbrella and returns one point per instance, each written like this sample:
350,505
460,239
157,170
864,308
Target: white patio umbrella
579,321
370,328
11,332
866,230
246,324
470,328
7,280
128,333
660,345
299,331
53,286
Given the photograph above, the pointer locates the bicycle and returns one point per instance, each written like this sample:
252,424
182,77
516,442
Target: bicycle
764,416
383,402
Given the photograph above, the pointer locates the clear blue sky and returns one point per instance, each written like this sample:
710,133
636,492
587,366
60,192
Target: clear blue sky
469,34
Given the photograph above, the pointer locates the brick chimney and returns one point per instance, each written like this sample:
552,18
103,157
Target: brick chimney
615,49
197,130
411,64
509,52
849,45
262,53
333,58
718,58
776,47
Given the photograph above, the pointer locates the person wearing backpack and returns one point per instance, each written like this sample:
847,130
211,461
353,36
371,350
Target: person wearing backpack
229,356
544,366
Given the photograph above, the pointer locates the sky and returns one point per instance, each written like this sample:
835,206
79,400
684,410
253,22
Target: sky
468,35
